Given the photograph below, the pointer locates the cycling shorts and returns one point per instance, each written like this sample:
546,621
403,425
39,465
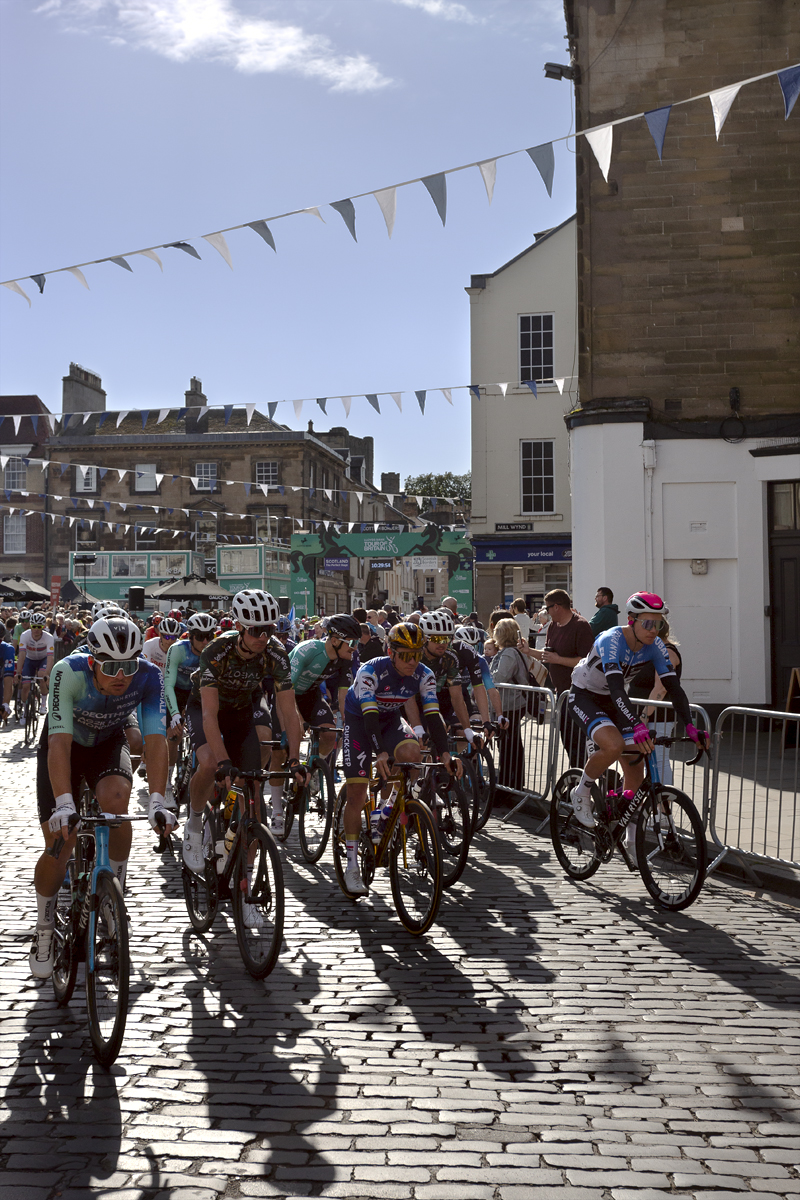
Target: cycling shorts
238,734
314,708
592,710
356,750
92,763
31,667
263,715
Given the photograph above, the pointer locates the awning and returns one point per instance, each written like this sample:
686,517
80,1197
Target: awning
522,550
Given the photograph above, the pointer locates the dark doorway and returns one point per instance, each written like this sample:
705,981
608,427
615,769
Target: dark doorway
784,584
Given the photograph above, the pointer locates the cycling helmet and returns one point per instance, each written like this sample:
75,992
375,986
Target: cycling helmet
176,614
439,622
406,637
38,620
117,637
645,604
24,616
254,607
201,622
156,618
169,627
284,625
469,634
106,608
344,626
225,623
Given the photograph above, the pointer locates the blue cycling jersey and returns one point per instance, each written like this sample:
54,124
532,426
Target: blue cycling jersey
379,688
611,655
79,709
486,674
7,658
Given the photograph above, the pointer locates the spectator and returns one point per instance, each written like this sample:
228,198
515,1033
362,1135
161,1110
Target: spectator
499,614
368,646
542,621
569,639
607,615
519,612
509,665
451,603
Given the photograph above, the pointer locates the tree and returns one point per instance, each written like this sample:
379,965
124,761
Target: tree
446,484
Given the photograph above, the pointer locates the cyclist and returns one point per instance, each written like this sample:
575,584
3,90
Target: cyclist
156,648
106,608
438,628
7,674
219,712
152,628
598,699
471,636
225,625
91,697
183,657
36,648
22,624
374,725
285,634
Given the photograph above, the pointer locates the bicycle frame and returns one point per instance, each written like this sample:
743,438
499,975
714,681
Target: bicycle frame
398,813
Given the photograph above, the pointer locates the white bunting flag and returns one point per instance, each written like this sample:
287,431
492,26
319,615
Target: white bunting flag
16,421
13,286
185,510
122,473
448,394
314,211
390,499
328,495
359,496
86,416
346,401
397,397
124,507
175,532
217,240
350,526
162,413
249,409
387,200
298,407
121,417
150,254
721,102
79,275
601,142
488,170
195,480
70,519
127,527
503,387
158,479
90,503
419,500
560,385
264,488
3,460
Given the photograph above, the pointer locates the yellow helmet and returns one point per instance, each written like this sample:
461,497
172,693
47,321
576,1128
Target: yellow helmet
405,636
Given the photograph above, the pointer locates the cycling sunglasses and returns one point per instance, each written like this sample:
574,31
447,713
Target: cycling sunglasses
351,642
202,637
652,623
112,666
439,637
409,655
169,637
259,631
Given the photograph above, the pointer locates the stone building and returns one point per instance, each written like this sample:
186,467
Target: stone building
685,463
23,546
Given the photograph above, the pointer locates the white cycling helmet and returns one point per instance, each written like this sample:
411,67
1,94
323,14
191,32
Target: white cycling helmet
646,604
469,634
254,607
38,620
201,622
106,608
24,616
439,622
117,637
169,627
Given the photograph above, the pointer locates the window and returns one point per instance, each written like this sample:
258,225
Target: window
785,506
239,562
430,586
14,534
206,473
206,535
96,570
536,347
337,499
538,481
312,475
16,477
144,536
267,472
86,481
162,565
86,538
145,478
265,528
129,566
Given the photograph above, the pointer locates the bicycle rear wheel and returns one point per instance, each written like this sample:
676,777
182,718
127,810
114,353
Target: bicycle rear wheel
31,717
290,798
108,971
66,949
486,773
258,901
574,845
315,813
415,868
453,822
671,848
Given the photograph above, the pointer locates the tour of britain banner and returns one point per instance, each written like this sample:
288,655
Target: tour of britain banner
308,550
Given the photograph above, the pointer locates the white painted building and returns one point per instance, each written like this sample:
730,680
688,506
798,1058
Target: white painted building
523,328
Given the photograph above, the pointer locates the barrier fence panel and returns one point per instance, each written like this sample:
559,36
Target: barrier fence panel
523,754
754,798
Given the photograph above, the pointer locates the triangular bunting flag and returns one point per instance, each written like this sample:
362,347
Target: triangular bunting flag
328,493
217,240
421,401
298,409
145,415
79,275
387,201
503,387
249,409
398,399
121,262
13,286
790,86
314,212
16,420
159,477
347,212
263,230
657,119
86,416
488,170
150,254
476,391
272,408
721,102
195,480
346,402
121,473
162,413
560,385
322,401
601,141
182,246
372,398
448,394
39,281
531,383
122,416
227,409
544,160
437,189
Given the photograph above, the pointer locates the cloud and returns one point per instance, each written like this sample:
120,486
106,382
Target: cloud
214,31
448,10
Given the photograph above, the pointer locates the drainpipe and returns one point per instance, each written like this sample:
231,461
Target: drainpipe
649,459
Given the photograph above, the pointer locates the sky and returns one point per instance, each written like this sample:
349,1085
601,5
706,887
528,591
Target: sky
131,123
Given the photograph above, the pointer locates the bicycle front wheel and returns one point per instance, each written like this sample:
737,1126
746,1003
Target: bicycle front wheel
66,950
315,811
574,845
486,773
415,868
258,901
671,848
108,971
454,822
31,718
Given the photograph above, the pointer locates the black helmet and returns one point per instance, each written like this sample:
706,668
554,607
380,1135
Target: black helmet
344,626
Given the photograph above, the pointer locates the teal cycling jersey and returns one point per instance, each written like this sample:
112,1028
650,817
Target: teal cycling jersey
311,666
181,661
79,709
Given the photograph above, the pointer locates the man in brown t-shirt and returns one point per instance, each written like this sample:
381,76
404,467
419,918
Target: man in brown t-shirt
569,639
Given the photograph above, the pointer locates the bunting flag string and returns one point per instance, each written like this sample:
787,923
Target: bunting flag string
599,137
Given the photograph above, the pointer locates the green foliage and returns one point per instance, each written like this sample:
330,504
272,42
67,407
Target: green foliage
446,484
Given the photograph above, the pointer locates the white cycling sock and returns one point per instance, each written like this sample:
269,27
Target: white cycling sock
584,788
46,906
352,859
194,822
120,869
276,792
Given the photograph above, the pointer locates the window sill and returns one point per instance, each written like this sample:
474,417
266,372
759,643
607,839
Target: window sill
541,516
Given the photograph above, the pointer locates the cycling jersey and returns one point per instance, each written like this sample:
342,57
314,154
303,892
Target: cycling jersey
181,661
469,664
445,668
6,658
37,651
78,708
611,655
154,653
379,689
19,629
311,666
486,674
235,678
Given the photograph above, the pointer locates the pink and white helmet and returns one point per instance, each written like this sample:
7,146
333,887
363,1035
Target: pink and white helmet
645,604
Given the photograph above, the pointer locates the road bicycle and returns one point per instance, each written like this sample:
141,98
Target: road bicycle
31,714
185,767
241,862
408,848
670,847
312,803
91,926
450,800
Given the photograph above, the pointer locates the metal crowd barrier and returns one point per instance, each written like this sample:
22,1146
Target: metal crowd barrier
523,755
754,798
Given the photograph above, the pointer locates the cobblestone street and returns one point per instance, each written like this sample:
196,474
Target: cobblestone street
546,1040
